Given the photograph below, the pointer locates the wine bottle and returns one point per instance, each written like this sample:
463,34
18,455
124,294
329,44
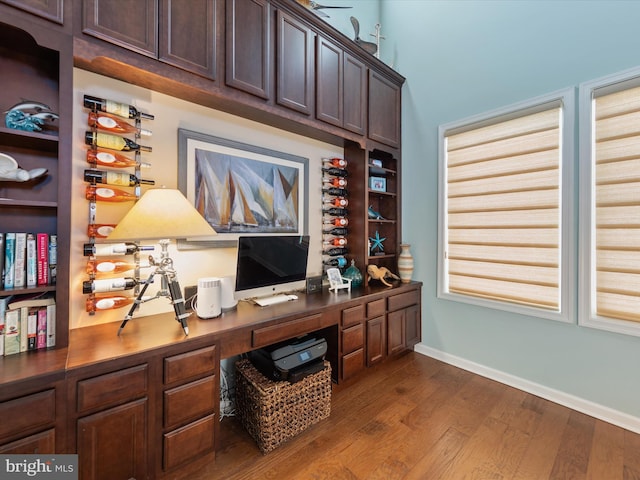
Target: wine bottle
103,158
115,178
121,109
335,251
338,231
95,267
336,221
100,230
336,172
338,182
113,142
111,123
94,303
335,202
111,249
109,285
338,212
339,262
335,162
104,194
338,192
335,242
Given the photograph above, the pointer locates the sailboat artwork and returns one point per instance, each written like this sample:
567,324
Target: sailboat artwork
242,195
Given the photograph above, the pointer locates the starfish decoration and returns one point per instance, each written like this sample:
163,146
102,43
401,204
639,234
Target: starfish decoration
377,242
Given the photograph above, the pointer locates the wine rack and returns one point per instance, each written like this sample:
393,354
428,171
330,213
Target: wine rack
335,219
108,124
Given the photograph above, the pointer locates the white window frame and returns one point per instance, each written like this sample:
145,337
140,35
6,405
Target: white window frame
587,304
567,303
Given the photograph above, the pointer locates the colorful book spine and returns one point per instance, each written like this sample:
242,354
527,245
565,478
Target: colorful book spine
41,336
24,328
9,257
1,259
4,301
32,261
20,261
32,328
42,244
51,325
53,258
12,332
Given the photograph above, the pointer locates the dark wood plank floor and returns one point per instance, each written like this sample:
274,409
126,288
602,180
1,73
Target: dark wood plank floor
418,418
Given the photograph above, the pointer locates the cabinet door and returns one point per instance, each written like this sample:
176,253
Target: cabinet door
295,64
376,340
49,9
395,332
329,81
413,325
113,443
132,25
384,110
247,46
188,35
355,94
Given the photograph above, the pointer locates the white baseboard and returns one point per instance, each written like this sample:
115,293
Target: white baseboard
615,417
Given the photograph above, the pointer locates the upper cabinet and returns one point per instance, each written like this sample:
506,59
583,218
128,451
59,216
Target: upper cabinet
341,87
295,64
156,28
384,109
52,10
247,46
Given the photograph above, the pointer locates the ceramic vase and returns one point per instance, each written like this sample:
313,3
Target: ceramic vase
405,263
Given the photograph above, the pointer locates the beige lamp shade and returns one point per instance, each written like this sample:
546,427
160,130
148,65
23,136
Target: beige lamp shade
161,213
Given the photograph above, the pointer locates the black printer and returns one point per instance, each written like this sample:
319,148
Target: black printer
291,360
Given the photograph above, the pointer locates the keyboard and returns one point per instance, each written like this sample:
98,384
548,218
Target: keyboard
273,299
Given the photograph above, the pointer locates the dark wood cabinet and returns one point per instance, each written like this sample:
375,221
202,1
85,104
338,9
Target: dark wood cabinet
112,444
395,332
341,86
294,64
52,10
131,25
403,321
376,340
247,46
352,341
195,52
384,110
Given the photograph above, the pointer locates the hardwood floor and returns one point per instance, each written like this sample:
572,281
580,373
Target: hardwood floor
419,418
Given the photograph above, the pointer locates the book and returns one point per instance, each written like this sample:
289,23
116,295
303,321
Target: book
53,258
41,336
32,327
1,259
42,249
9,256
20,261
39,299
4,302
32,261
24,326
51,325
12,332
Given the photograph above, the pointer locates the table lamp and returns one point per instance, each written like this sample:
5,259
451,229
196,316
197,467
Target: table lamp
162,214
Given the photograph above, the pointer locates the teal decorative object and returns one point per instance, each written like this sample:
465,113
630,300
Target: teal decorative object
353,274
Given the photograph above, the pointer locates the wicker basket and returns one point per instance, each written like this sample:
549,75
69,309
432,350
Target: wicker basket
273,412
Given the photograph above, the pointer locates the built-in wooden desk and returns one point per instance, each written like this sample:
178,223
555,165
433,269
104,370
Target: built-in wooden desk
162,387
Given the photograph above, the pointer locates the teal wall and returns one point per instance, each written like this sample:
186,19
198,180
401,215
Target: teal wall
462,58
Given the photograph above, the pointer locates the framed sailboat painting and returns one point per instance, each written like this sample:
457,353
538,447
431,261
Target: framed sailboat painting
242,189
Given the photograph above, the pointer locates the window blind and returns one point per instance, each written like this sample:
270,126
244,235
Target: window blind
617,204
503,219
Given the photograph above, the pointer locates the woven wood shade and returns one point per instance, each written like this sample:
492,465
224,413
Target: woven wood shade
503,210
617,202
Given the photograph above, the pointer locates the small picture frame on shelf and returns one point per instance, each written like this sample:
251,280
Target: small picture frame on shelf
378,184
376,163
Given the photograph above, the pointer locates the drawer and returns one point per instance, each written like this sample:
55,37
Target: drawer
402,300
190,365
112,388
36,444
352,338
376,308
284,331
352,363
190,401
27,413
353,315
188,442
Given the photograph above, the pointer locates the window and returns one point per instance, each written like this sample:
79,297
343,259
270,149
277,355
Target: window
610,199
505,201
